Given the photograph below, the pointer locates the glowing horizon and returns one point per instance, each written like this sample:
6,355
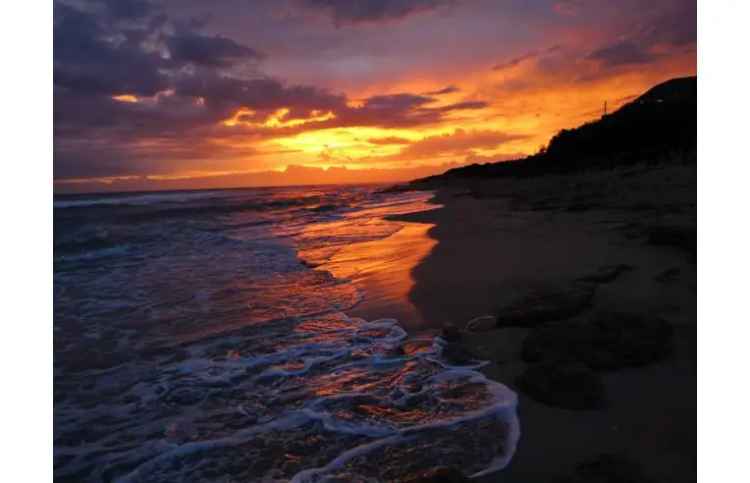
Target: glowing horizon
385,90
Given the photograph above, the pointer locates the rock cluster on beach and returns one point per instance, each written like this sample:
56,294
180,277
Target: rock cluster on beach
554,302
604,342
549,303
569,385
579,292
565,357
565,352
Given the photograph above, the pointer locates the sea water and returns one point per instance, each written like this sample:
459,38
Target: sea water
197,338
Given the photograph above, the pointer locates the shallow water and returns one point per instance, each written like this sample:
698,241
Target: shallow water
209,336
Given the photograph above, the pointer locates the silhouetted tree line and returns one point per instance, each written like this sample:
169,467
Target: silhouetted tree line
658,127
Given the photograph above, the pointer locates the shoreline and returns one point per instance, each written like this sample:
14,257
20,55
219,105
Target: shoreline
501,239
382,269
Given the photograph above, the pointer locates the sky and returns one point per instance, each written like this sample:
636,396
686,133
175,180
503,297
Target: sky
178,94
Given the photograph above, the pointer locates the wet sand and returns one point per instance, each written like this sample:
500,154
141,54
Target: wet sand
498,239
383,270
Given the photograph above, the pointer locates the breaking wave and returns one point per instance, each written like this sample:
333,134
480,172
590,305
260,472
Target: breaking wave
334,398
203,348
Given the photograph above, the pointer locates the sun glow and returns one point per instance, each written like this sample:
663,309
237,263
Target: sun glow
275,120
125,98
348,143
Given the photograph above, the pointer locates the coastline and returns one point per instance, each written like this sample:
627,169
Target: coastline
382,268
503,238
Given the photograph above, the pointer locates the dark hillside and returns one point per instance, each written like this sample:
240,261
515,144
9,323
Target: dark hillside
658,126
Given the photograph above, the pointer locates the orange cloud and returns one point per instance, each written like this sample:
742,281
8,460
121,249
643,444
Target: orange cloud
277,119
184,104
125,98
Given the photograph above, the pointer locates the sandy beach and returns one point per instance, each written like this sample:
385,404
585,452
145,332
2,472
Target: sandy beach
408,241
503,239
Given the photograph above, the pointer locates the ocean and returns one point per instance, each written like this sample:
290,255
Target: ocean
205,336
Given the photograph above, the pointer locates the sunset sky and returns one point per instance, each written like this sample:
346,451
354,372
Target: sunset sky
189,93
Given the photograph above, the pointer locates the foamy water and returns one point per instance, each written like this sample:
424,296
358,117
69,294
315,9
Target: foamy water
193,343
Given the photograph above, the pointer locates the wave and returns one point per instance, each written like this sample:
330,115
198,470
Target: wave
78,201
209,351
126,213
88,253
325,398
366,409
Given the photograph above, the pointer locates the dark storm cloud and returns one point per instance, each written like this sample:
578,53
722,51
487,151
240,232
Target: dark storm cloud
533,54
361,11
462,106
190,114
673,26
87,58
192,65
443,91
677,25
460,143
622,53
515,61
224,94
96,54
400,110
102,50
396,102
217,51
185,83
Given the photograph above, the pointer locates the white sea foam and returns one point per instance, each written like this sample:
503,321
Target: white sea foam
435,398
135,199
215,350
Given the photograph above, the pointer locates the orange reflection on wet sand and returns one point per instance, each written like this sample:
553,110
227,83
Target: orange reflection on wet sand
382,268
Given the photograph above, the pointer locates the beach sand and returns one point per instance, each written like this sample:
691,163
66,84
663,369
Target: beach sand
383,269
504,238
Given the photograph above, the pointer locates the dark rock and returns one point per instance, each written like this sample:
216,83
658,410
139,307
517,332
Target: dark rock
568,385
440,475
606,342
457,355
581,206
547,305
451,333
629,340
681,237
669,275
643,206
542,206
606,469
561,342
607,273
